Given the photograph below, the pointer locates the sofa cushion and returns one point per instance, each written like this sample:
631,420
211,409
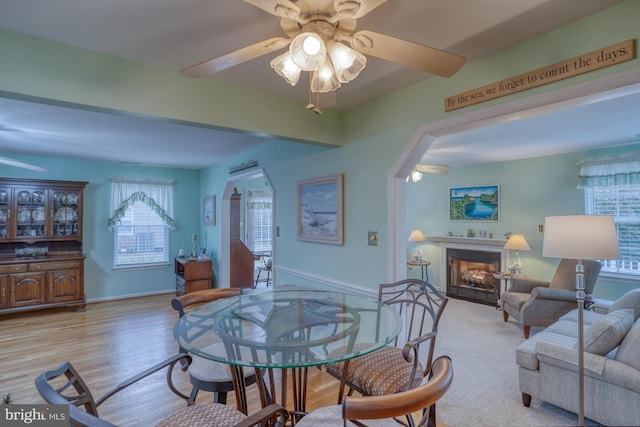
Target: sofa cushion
608,332
629,300
526,352
629,350
588,317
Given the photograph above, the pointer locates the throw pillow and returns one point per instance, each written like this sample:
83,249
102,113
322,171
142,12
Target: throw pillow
629,300
629,350
608,332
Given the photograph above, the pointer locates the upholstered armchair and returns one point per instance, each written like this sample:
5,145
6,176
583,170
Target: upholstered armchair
540,303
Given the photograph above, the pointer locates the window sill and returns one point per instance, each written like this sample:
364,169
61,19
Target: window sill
620,277
141,266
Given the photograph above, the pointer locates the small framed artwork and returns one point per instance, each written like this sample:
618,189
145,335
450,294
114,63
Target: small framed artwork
320,210
475,203
209,210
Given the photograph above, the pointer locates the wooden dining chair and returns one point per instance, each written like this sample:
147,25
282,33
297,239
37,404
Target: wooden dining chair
403,365
388,410
65,386
206,374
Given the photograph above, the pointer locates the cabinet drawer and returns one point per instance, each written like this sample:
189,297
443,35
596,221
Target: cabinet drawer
15,268
57,265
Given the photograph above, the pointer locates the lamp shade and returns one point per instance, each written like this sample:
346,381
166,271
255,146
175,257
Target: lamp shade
308,51
517,242
286,68
347,63
580,237
324,79
417,236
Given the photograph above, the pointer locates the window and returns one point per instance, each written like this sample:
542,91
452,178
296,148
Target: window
140,222
259,221
612,187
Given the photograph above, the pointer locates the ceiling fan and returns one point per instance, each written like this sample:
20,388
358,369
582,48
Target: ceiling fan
321,40
17,163
436,169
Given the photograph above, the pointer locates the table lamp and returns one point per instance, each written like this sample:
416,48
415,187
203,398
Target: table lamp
580,237
517,242
417,236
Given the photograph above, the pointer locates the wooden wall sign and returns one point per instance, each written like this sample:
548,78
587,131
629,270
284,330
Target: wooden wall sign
611,55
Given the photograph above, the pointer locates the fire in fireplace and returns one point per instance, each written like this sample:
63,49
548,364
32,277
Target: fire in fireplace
470,275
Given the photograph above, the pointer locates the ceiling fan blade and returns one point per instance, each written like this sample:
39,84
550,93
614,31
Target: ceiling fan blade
17,163
236,57
281,8
407,53
345,29
437,169
354,9
290,27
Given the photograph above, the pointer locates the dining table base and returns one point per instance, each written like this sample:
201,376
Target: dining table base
267,389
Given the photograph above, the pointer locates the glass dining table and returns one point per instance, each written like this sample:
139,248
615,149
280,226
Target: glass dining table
285,328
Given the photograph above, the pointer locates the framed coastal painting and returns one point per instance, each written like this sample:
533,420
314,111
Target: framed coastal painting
209,210
475,203
320,210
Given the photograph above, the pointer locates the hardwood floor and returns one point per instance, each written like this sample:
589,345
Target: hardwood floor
108,343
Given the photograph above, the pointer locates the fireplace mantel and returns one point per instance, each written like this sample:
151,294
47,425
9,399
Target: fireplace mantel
468,240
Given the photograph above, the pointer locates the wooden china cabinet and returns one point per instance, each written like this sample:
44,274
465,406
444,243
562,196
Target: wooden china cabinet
41,259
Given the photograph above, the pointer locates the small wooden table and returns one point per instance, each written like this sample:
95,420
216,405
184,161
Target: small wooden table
504,278
424,272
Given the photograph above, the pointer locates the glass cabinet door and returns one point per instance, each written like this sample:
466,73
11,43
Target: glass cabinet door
30,213
65,213
5,213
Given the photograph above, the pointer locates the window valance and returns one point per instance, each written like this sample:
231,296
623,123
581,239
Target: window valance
608,172
157,194
257,199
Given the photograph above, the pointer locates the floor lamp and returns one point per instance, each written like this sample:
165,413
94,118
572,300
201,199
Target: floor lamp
580,237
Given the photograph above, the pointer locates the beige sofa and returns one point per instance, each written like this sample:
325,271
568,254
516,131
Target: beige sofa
548,363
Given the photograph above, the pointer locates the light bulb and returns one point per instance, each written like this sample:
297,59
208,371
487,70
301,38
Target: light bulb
311,45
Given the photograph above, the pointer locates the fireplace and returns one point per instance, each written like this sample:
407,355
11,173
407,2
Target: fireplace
470,275
467,267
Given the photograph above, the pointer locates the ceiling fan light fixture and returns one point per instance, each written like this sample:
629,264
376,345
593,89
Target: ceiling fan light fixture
286,68
308,51
324,79
415,176
347,63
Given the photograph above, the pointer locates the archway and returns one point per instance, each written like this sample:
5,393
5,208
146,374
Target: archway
225,219
609,87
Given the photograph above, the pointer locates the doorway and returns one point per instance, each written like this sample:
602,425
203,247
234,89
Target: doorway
247,184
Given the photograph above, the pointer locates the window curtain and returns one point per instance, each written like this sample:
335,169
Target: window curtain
158,195
610,172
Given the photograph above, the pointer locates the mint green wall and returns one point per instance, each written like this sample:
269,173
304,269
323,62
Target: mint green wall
370,138
530,190
101,281
278,159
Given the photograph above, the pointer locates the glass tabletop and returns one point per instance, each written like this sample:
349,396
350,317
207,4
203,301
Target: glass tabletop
275,328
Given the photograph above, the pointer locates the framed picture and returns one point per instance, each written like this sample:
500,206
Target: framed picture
476,203
320,210
209,210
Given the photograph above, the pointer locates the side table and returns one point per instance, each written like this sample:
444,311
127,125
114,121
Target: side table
424,272
504,279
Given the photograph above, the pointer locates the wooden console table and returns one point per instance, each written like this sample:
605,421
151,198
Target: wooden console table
192,275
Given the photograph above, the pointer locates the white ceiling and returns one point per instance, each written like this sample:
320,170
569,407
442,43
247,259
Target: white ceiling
174,34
